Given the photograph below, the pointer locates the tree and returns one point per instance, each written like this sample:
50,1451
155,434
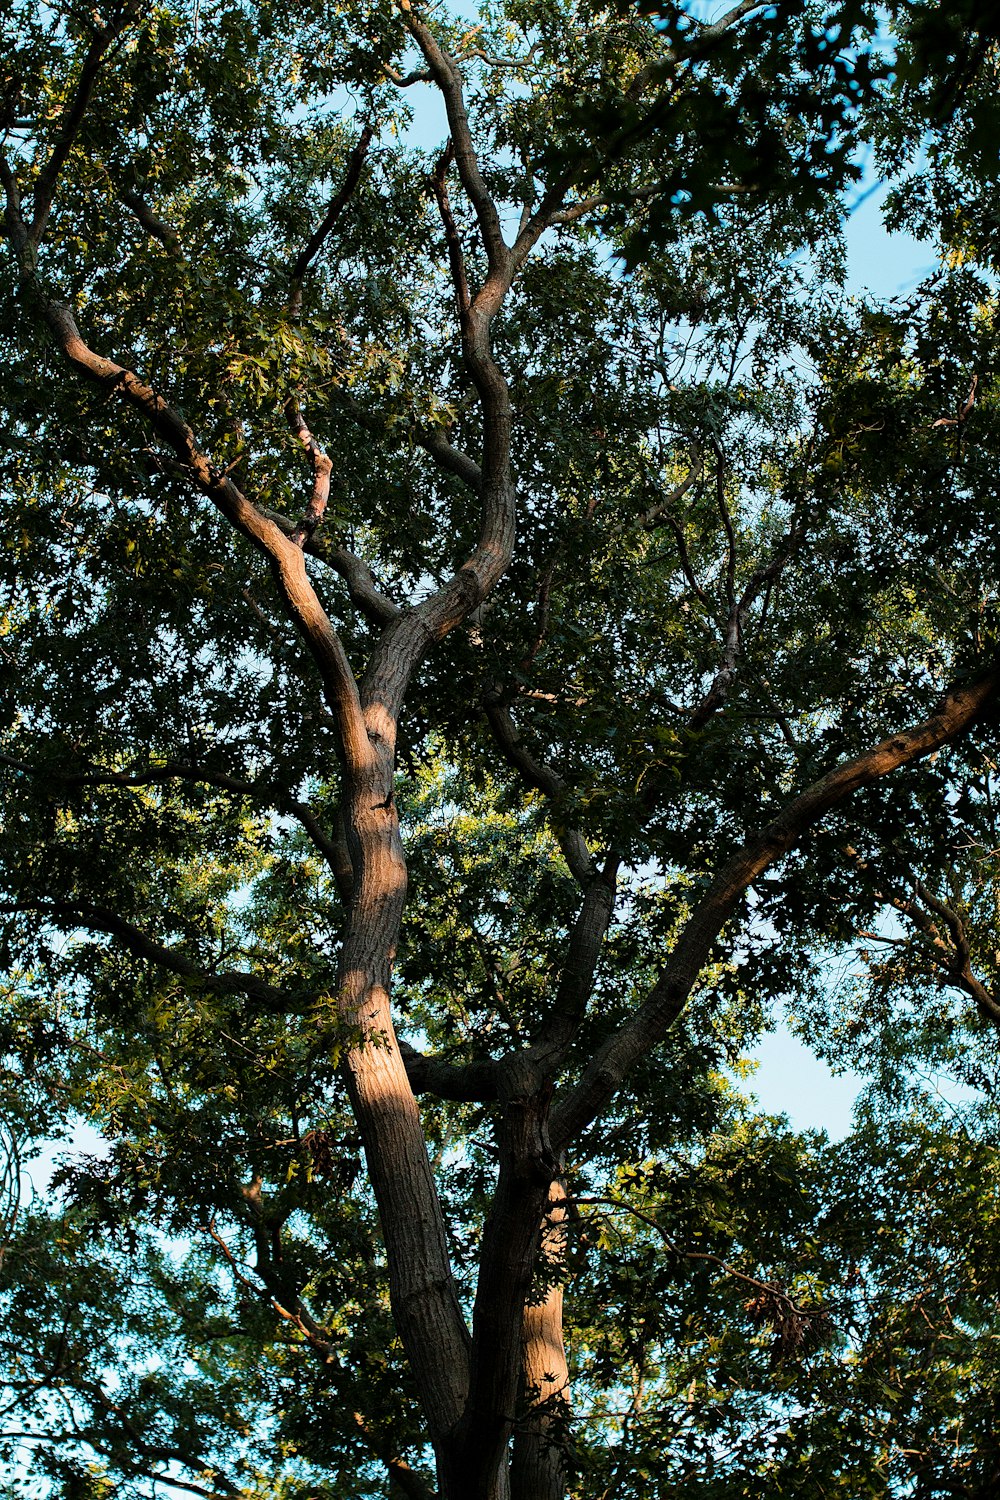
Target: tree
635,621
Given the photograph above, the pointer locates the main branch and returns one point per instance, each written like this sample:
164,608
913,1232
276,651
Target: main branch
606,1071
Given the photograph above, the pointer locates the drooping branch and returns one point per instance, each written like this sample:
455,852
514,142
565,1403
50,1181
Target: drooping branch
139,1451
948,952
433,440
260,794
602,1076
298,1316
543,778
791,1311
139,943
153,224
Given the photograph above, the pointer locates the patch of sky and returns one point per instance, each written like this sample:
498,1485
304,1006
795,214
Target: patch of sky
880,261
791,1080
38,1171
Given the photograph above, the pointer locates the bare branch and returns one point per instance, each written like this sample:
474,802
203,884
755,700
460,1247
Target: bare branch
322,469
729,20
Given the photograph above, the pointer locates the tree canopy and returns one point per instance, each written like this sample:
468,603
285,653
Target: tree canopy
487,618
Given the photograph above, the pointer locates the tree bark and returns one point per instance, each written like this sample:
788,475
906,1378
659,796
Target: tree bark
422,1289
541,1439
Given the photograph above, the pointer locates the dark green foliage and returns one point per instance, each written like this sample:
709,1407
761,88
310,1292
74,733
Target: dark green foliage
704,424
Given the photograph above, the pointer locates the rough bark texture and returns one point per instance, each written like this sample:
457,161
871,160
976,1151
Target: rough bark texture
538,1470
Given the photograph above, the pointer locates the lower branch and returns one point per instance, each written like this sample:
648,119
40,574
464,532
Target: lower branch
620,1053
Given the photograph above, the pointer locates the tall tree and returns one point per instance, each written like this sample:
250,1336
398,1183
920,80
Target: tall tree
373,528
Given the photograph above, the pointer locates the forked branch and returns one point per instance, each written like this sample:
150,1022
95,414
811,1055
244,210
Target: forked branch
447,75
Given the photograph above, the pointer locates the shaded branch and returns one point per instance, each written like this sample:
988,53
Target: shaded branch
377,607
139,943
470,1082
73,116
339,201
951,961
576,982
432,439
787,1303
151,222
960,709
763,578
405,1479
456,259
446,74
543,778
260,794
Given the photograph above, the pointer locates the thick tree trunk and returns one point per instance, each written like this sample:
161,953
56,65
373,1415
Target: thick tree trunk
422,1289
538,1471
477,1461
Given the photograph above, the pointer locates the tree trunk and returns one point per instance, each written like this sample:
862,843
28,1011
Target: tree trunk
422,1289
541,1438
